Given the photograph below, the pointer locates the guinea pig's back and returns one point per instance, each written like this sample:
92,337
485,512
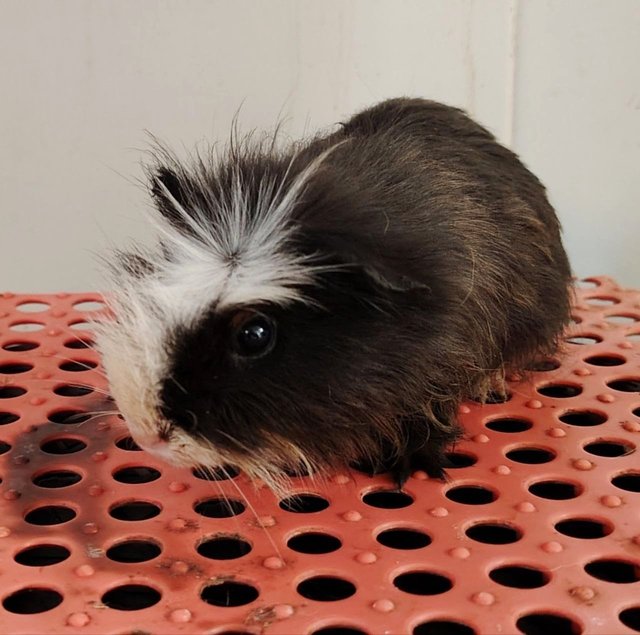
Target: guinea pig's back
457,142
427,184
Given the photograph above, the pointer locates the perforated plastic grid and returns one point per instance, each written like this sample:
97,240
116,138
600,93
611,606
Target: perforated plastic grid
537,530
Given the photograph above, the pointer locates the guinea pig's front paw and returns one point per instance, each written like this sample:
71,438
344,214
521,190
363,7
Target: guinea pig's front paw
426,443
432,460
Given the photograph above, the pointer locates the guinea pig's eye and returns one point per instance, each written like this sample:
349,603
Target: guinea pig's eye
254,334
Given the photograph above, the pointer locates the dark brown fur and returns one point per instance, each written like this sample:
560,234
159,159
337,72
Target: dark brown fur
446,268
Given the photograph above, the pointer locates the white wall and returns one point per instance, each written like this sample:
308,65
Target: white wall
82,79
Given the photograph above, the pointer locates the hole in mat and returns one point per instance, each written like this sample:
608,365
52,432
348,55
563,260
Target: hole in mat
219,507
138,550
131,597
587,283
50,515
32,600
493,533
224,547
223,473
15,369
609,448
583,418
314,542
8,417
88,305
422,583
605,360
560,391
471,495
460,459
443,627
78,343
56,479
584,528
403,538
555,489
80,325
134,510
128,444
598,300
136,474
612,570
69,417
584,340
4,447
63,446
27,327
42,555
304,503
72,390
630,481
631,384
9,392
531,455
338,629
621,319
20,346
32,307
229,594
519,576
325,588
631,617
387,499
77,366
541,623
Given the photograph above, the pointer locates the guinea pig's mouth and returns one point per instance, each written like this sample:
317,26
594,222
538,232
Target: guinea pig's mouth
163,450
175,447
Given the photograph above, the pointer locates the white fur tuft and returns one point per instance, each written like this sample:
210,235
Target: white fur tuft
241,258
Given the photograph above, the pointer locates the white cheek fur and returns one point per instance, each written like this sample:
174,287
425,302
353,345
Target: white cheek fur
135,361
241,259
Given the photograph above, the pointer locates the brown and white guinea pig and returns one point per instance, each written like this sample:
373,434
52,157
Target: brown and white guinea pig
335,301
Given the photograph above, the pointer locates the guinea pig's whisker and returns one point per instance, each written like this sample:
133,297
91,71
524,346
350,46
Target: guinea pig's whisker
86,343
93,416
209,470
215,484
179,385
194,418
254,512
96,368
79,384
97,415
233,440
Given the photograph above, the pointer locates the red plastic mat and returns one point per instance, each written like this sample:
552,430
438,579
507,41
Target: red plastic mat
538,529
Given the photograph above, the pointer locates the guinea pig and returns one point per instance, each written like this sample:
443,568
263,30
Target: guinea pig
333,301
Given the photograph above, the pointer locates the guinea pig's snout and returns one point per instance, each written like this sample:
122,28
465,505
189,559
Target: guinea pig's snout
156,444
152,442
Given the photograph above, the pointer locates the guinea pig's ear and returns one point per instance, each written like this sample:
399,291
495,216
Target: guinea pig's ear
392,279
389,267
170,191
392,261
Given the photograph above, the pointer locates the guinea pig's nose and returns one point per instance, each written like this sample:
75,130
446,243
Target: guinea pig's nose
150,441
157,446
